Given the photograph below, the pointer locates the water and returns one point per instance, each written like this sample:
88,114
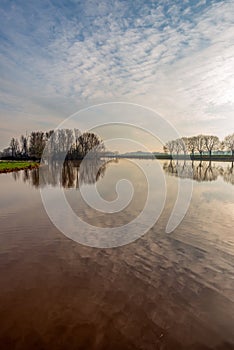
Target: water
164,291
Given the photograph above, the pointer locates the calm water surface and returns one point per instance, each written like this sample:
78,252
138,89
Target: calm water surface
164,291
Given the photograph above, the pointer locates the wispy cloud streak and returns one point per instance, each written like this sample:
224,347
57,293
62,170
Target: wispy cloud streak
56,55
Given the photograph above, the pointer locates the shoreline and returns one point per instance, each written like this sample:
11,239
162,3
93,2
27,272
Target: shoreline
179,157
12,166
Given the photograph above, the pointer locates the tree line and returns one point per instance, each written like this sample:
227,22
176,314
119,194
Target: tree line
66,143
199,144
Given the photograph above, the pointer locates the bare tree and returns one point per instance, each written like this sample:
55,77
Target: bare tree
184,144
61,138
229,143
14,145
191,145
179,146
211,143
77,134
200,144
69,139
36,144
169,147
90,142
48,134
24,145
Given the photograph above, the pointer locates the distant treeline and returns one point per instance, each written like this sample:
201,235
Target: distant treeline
201,144
61,143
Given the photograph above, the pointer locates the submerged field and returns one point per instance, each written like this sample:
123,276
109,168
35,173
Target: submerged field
8,166
162,291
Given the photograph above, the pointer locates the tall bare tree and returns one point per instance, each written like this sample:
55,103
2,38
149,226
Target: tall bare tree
211,143
200,144
184,144
61,137
15,148
179,146
36,144
169,147
69,139
229,143
191,145
24,145
90,142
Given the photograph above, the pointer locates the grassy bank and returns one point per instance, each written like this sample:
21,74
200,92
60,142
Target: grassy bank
9,166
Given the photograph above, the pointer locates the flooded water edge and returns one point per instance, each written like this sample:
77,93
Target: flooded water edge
164,291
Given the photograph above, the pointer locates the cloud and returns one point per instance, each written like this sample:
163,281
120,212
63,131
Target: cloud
174,56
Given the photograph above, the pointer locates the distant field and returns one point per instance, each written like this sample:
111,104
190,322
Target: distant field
8,166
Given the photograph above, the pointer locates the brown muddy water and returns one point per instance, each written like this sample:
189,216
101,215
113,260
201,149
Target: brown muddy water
163,291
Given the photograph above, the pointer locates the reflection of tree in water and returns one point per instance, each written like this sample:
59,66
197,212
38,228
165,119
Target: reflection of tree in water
74,173
71,174
26,175
91,170
228,175
68,175
205,171
202,171
179,169
16,175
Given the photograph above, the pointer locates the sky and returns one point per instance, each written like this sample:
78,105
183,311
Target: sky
176,57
